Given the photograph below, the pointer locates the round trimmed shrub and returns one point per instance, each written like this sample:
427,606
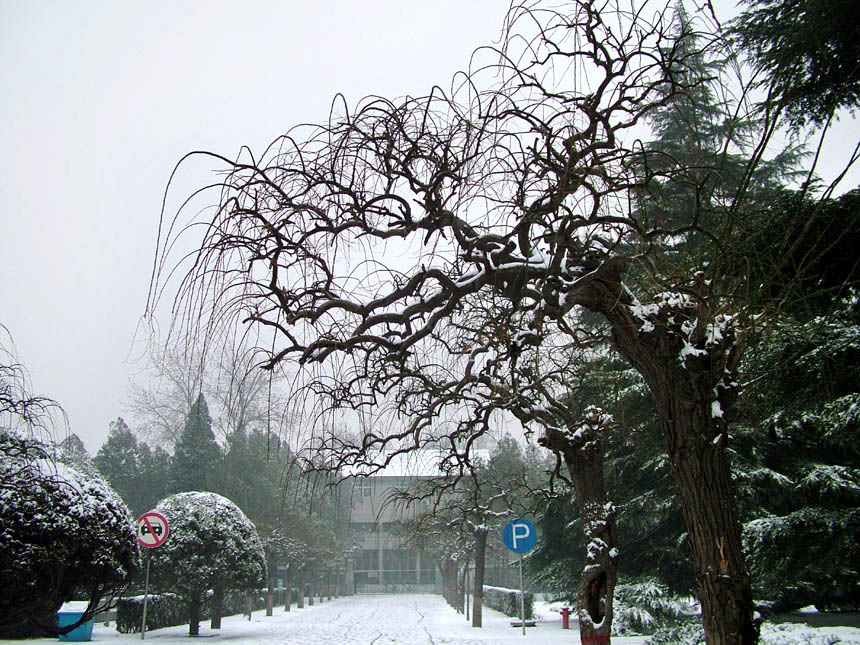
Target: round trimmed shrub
211,545
65,535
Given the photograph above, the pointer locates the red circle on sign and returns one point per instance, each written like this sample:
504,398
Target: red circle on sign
152,530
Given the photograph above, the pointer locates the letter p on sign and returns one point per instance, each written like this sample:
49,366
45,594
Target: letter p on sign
521,532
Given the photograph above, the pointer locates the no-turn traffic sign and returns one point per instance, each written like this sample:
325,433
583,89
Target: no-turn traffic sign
152,530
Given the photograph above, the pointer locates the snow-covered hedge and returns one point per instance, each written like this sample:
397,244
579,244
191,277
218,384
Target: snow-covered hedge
162,610
168,610
65,535
689,632
507,601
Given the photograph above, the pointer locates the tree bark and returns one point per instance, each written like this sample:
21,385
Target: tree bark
300,590
270,589
583,456
692,392
478,586
194,615
449,577
311,589
461,588
217,607
702,476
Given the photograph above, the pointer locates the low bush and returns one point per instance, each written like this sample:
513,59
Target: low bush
168,610
686,631
162,610
507,601
644,606
689,632
791,634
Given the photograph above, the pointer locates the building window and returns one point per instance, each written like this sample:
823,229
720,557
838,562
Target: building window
367,560
365,488
400,567
428,571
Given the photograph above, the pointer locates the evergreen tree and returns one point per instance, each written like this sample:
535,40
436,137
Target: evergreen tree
118,462
639,477
197,457
65,535
697,167
154,474
255,475
799,475
137,472
810,50
73,451
212,545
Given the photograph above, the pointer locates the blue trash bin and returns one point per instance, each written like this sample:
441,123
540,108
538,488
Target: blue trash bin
70,615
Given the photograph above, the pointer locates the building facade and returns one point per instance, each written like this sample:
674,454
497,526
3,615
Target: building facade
384,561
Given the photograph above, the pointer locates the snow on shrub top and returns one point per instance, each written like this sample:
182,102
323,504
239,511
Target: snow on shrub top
211,543
63,532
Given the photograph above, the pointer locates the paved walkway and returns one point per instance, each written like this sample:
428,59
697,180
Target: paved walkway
409,620
364,620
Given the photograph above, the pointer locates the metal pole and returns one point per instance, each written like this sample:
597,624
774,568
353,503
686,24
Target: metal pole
145,598
522,596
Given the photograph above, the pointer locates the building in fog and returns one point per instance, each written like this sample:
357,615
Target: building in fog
384,562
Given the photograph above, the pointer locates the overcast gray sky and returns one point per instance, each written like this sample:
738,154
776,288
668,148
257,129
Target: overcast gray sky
101,98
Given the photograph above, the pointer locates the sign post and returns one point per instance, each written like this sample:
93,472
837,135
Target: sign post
520,537
152,532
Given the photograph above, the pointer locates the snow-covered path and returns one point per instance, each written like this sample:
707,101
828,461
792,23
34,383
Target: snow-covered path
363,620
400,620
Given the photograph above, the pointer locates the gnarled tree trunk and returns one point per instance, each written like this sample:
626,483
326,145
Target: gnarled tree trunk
583,457
689,370
702,477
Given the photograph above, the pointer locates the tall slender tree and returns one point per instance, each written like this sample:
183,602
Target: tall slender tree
197,457
118,460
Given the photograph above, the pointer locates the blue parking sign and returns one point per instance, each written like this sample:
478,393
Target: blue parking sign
519,535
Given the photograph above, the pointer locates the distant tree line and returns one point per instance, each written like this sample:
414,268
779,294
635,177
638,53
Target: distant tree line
302,518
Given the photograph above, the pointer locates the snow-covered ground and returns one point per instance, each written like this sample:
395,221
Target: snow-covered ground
365,620
383,620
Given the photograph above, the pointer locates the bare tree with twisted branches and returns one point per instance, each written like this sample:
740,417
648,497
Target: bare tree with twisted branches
421,259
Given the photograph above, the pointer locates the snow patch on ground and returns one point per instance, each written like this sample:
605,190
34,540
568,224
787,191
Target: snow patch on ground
418,619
